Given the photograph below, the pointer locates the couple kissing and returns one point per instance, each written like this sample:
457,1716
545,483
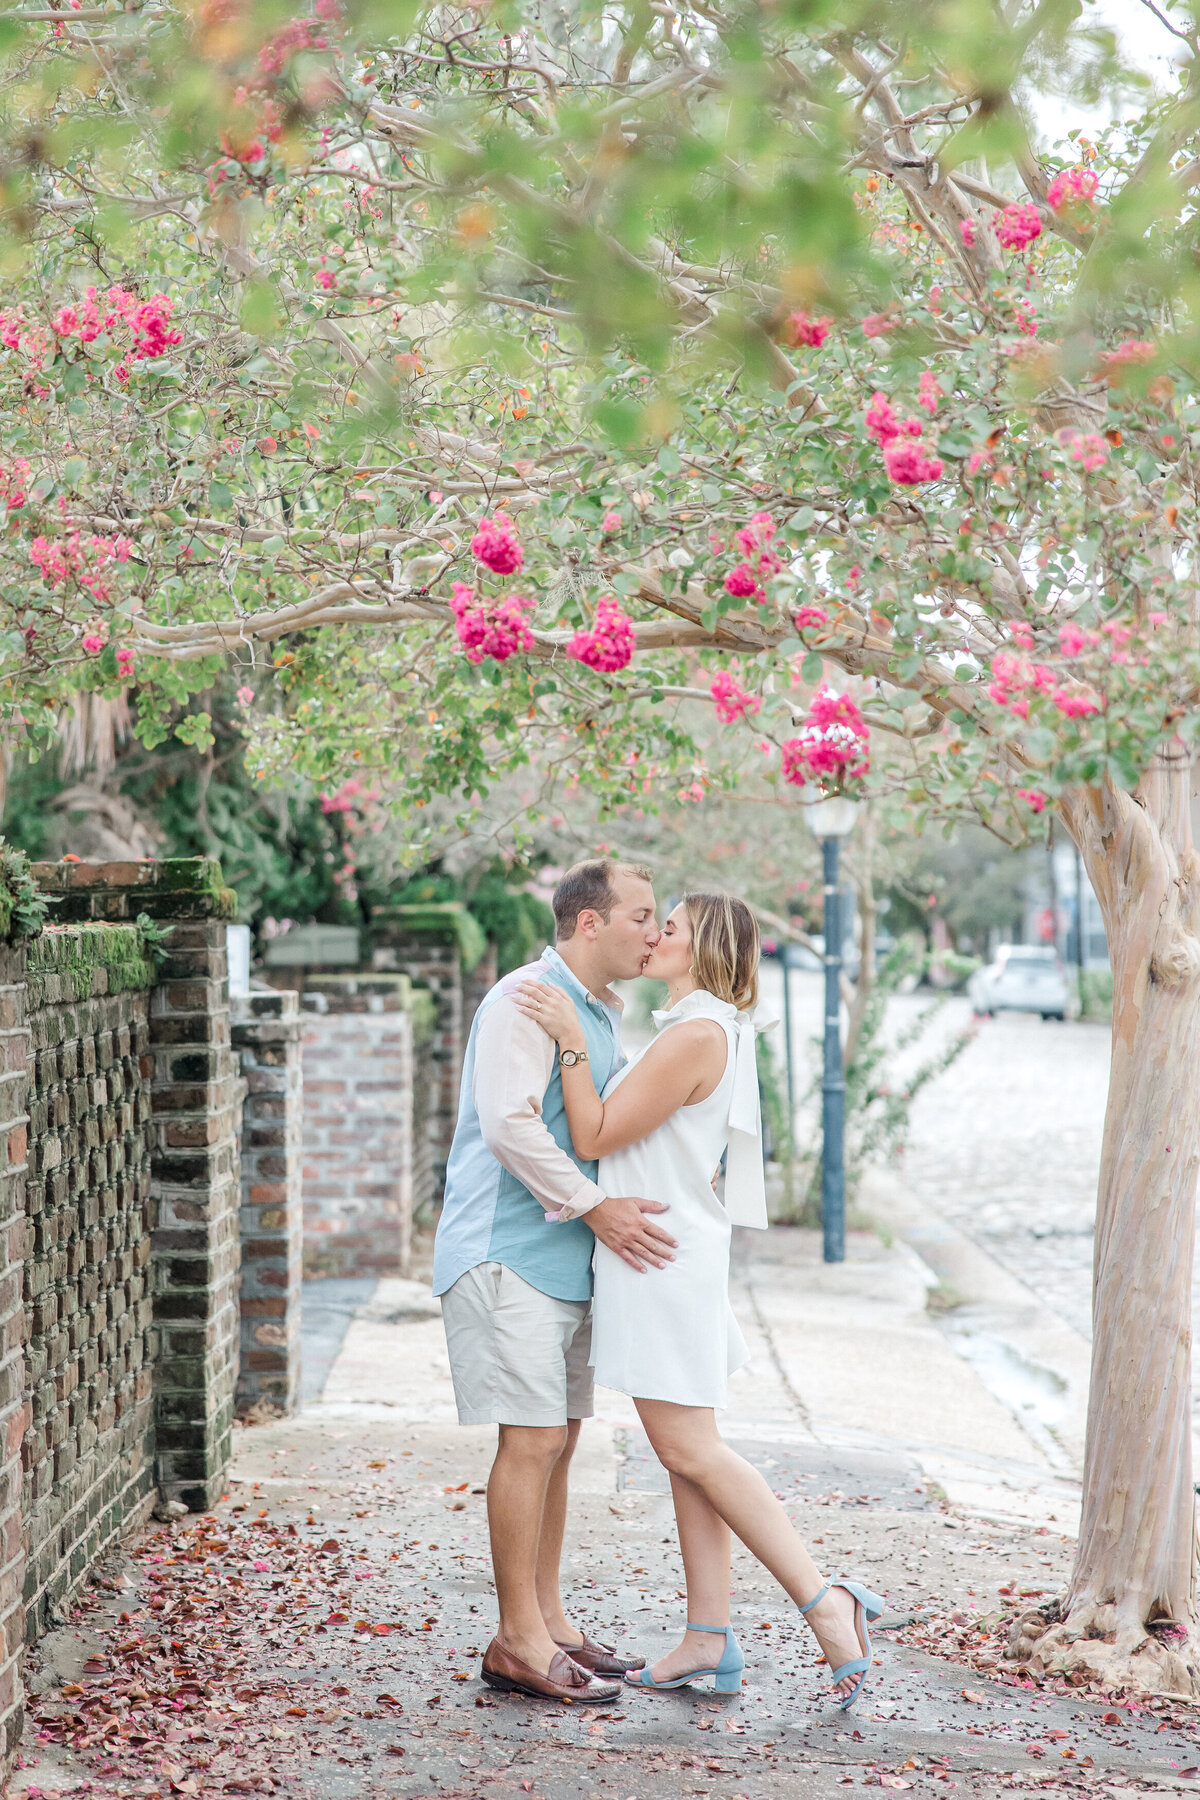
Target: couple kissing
582,1239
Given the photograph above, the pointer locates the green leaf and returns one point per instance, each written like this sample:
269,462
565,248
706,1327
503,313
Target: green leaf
669,460
196,730
260,314
619,420
811,667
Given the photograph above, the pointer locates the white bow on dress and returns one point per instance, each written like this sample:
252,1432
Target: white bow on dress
745,1182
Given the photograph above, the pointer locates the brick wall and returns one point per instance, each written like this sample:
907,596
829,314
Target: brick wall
196,1094
266,1036
88,1445
357,1046
15,1408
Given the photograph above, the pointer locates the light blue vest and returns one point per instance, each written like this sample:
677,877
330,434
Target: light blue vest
490,1216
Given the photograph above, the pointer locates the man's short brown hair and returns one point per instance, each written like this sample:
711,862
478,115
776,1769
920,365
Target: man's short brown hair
588,887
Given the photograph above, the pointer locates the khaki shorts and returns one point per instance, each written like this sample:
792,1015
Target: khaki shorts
518,1356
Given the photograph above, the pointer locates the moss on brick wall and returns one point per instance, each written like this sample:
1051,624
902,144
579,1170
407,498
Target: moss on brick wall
424,1014
73,962
178,887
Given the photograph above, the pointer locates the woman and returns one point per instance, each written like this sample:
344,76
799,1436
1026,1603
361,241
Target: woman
669,1338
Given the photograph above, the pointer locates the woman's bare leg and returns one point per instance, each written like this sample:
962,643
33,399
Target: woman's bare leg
705,1542
687,1442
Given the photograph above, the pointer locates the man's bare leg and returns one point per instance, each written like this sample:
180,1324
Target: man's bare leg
549,1556
527,1457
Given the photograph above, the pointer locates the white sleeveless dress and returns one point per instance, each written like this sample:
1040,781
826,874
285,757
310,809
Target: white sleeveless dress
670,1334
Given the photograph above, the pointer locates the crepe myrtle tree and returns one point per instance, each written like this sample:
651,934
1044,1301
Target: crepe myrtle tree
485,390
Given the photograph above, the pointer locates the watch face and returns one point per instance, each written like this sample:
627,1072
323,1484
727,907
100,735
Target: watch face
570,1058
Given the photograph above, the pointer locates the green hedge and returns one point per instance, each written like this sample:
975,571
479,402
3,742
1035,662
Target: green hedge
445,920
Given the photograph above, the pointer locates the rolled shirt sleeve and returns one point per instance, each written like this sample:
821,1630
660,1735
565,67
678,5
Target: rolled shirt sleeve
514,1060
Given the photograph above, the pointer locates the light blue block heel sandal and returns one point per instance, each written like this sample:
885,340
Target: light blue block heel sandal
867,1608
727,1675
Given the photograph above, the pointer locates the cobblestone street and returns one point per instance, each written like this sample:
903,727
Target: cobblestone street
1006,1143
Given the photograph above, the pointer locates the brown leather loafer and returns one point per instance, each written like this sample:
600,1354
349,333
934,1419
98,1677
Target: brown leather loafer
601,1659
564,1680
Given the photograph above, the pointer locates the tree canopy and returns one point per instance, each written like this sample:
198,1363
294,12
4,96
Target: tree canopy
582,389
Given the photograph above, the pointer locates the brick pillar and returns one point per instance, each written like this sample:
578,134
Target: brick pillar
15,1411
197,1101
195,1183
266,1036
437,946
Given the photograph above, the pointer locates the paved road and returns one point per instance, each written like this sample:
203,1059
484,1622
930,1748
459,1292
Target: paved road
1006,1143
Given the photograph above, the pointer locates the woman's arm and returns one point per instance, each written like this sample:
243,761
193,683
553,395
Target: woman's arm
683,1065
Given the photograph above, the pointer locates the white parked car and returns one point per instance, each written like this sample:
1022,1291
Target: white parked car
1023,978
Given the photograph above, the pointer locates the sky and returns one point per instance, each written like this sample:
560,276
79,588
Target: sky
1145,43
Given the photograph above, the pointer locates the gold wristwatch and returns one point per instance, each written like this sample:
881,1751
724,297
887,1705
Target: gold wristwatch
568,1058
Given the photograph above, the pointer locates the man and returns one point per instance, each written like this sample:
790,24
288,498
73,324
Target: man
516,1283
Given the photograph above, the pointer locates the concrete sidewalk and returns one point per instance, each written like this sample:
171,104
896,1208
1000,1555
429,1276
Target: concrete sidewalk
897,1458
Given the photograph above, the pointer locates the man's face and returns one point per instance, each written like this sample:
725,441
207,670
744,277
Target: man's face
631,932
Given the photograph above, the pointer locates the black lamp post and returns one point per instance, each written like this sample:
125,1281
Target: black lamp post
831,820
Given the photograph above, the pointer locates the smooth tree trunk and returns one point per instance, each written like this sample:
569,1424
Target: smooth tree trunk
1129,1616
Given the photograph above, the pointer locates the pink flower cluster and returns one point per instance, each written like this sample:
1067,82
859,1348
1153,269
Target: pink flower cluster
12,484
349,798
125,661
495,628
1018,225
95,637
1129,354
1033,797
832,745
803,331
611,522
761,560
147,323
143,324
904,455
297,35
929,392
805,616
875,324
1016,680
33,342
1072,188
1087,448
495,546
85,558
611,642
732,701
966,231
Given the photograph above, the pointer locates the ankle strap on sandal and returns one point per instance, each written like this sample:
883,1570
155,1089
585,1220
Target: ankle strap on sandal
715,1630
817,1597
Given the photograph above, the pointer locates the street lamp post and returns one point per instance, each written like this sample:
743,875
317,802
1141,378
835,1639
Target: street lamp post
832,820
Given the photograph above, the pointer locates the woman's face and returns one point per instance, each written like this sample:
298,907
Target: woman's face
671,957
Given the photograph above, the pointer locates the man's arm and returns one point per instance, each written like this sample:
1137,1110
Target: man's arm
514,1060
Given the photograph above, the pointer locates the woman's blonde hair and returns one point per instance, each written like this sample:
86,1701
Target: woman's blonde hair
725,947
